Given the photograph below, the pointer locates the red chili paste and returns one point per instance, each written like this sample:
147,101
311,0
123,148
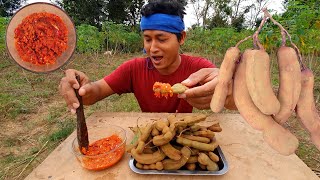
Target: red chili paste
41,38
101,159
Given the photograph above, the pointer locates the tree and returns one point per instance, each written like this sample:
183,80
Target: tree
303,14
255,10
115,10
196,5
8,7
85,11
238,14
220,13
133,11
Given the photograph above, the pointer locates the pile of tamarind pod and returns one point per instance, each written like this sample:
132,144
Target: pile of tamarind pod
176,143
253,95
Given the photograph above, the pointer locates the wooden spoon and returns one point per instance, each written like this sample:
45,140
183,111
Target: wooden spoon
82,131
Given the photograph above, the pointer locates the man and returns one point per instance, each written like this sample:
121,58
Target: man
163,34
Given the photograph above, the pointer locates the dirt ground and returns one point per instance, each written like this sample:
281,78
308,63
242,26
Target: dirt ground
28,138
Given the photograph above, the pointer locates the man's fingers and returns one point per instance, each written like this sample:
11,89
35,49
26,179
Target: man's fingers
201,76
200,103
71,77
201,91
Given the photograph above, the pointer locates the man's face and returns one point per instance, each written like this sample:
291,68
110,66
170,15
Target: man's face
163,49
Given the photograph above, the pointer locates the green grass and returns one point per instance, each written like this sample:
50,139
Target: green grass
32,112
64,130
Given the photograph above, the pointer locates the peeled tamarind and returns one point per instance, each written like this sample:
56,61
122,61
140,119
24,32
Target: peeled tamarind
289,83
306,109
259,83
226,71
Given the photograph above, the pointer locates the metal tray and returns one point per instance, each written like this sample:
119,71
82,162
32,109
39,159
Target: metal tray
223,168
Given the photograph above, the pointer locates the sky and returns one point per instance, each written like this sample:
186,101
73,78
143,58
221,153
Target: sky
272,4
190,19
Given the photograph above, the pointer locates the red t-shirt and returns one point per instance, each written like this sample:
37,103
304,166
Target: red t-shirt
138,76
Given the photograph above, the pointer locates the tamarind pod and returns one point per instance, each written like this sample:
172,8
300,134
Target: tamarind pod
171,119
138,165
202,159
160,124
274,134
215,128
197,119
146,132
193,159
140,147
205,160
226,72
230,104
306,108
170,151
315,140
213,157
152,166
148,158
155,132
196,138
129,147
159,166
165,129
259,82
242,99
180,130
206,133
289,82
191,120
163,139
179,88
135,139
197,145
147,151
187,132
203,128
191,166
145,167
179,124
195,128
194,151
280,139
169,164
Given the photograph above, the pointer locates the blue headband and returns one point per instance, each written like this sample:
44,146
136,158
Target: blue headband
162,22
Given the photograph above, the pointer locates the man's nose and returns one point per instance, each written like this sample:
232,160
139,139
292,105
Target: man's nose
154,46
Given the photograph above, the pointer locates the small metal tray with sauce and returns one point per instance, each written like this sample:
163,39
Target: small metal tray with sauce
223,168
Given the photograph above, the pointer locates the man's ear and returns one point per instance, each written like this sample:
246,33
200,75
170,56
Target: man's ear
183,37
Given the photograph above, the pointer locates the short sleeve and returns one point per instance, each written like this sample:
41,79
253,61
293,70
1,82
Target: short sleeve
120,80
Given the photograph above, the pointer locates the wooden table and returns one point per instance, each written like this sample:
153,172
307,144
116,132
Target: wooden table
248,156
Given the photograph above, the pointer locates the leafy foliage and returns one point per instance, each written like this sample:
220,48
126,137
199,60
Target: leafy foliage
121,38
89,39
85,11
115,11
3,24
215,41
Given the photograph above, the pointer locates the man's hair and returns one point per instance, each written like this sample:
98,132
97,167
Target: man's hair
172,7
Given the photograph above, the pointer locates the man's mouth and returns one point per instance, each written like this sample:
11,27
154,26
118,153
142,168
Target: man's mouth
157,58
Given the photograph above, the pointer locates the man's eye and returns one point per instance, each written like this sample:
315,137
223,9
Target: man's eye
162,40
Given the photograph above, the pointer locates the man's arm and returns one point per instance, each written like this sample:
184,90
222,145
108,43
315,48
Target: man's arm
91,92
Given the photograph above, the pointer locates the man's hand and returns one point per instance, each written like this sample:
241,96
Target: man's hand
67,86
200,96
